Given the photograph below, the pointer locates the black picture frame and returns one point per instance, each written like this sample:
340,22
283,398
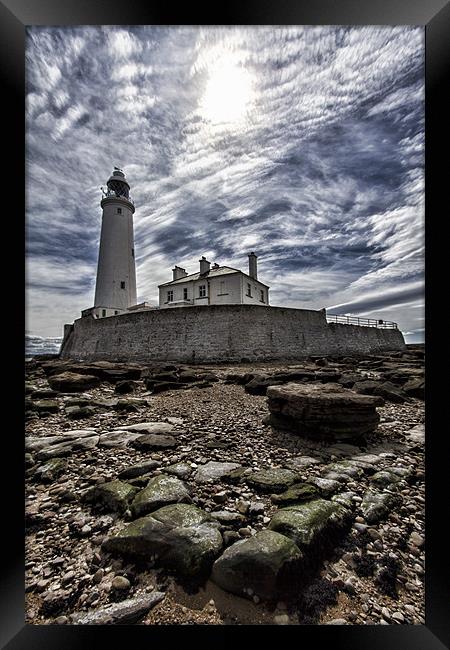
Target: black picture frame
15,15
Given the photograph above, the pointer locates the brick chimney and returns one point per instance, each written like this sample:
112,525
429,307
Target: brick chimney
204,266
252,266
178,273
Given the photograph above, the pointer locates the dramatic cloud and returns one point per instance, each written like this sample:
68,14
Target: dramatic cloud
304,144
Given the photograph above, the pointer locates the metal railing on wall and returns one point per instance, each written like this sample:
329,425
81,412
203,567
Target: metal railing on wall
365,322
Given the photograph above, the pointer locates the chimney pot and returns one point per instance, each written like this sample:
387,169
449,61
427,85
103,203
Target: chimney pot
204,265
252,266
178,273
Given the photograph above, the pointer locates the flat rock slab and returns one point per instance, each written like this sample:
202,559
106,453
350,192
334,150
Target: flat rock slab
416,435
79,412
314,526
35,443
71,382
67,447
265,565
366,461
272,480
154,441
182,470
342,449
46,405
139,469
161,491
296,494
179,537
149,427
343,471
213,471
126,612
228,518
114,496
302,462
376,505
322,410
117,439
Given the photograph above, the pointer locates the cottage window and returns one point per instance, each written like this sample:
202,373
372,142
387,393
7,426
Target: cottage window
202,291
122,285
119,210
249,290
261,292
103,313
185,294
170,296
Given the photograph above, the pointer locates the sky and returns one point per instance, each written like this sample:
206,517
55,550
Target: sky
303,144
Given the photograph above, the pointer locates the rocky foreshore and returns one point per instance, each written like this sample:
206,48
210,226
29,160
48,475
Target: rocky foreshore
246,494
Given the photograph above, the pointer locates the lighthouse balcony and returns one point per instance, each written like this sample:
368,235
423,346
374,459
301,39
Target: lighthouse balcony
111,194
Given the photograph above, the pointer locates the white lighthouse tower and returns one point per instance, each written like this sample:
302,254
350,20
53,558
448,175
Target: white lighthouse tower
115,290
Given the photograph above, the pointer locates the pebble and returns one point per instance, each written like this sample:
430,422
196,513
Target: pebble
337,621
242,506
416,539
121,583
67,577
386,613
373,533
398,616
98,576
281,619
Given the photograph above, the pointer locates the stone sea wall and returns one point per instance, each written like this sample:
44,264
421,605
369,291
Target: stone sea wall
221,333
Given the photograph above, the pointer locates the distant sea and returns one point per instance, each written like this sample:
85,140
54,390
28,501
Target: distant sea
35,345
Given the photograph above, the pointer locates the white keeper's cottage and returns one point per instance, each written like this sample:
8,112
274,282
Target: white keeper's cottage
214,285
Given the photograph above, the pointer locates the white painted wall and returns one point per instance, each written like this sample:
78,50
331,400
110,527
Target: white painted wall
116,262
227,289
256,287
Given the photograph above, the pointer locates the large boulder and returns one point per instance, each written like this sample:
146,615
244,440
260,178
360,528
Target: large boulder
390,392
297,493
125,386
322,410
50,470
114,496
138,470
376,505
260,383
415,388
180,537
272,480
70,382
266,565
161,491
314,526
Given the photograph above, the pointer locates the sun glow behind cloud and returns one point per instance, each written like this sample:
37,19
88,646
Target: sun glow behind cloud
229,92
